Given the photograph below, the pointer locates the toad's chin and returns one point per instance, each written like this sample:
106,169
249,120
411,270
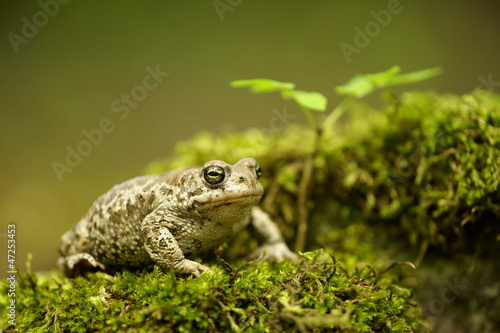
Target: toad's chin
251,198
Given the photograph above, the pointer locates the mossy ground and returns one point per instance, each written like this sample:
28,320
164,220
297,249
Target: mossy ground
415,181
313,295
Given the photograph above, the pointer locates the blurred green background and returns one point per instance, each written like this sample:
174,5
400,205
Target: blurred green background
64,79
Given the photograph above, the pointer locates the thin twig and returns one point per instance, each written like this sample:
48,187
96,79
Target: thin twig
303,195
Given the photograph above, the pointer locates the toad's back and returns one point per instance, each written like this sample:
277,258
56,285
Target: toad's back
110,229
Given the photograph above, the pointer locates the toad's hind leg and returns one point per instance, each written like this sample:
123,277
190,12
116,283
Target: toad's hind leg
73,249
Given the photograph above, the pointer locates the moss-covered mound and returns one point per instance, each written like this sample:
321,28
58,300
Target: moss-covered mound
415,181
421,176
426,164
433,168
287,297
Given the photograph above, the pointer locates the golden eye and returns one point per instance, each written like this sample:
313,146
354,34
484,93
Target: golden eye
258,171
214,174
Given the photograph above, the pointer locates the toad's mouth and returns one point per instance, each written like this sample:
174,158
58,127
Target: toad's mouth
228,200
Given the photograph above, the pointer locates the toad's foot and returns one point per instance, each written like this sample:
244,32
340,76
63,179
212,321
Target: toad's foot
277,251
80,258
186,266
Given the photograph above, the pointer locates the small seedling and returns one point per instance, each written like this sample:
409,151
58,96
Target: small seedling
357,87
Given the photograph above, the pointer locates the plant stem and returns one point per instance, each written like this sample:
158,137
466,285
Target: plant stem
303,194
310,117
423,249
302,204
337,112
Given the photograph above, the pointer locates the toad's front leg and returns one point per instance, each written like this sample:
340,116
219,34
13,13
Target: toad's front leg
273,244
163,247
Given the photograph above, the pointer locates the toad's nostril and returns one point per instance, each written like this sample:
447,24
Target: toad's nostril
242,178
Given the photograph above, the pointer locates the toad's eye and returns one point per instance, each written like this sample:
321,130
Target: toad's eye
258,171
214,174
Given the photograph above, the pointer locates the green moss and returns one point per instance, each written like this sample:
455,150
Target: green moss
417,179
314,294
427,165
436,169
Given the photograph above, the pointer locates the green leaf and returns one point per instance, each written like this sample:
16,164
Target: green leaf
263,85
413,77
362,85
383,77
307,99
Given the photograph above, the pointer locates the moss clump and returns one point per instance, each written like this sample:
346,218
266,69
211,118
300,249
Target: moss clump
434,169
421,176
287,297
418,179
428,165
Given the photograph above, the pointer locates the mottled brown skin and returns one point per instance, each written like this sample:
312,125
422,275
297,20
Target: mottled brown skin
168,218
